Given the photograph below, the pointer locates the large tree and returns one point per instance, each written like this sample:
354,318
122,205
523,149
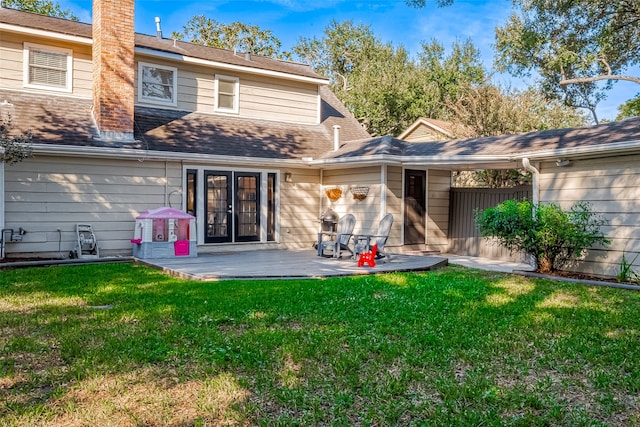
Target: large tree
42,7
384,87
572,45
488,110
235,36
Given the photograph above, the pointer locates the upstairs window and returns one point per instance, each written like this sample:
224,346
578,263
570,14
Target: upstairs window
47,67
227,89
157,84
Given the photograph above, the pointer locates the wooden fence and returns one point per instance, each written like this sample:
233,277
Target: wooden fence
464,238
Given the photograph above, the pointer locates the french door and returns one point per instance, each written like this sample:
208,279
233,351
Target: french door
232,206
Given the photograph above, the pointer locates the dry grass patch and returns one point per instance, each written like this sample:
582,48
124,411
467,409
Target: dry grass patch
145,397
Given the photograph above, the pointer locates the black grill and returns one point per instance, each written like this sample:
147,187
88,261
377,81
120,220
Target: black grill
329,221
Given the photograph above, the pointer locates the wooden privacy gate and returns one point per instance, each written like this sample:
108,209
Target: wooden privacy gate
464,238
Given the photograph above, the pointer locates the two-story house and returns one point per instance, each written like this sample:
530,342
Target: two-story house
125,122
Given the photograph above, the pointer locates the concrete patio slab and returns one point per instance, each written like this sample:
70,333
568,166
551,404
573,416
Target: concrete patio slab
283,264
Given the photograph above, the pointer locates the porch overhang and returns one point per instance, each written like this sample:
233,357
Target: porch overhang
458,162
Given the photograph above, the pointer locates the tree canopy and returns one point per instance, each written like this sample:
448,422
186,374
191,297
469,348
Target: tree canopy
384,87
42,7
572,45
387,89
235,36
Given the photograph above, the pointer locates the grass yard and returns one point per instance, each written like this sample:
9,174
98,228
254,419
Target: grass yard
123,345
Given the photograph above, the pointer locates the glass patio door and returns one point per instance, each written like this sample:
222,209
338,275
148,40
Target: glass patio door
218,207
232,206
247,207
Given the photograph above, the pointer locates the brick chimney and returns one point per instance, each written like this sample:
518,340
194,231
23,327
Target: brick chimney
113,68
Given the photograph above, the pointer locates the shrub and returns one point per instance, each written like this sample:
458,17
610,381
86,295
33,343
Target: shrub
13,148
551,235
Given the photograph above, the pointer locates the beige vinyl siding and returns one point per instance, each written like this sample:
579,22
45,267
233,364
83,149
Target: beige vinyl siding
612,188
11,65
299,207
424,134
438,185
368,212
44,194
281,100
260,97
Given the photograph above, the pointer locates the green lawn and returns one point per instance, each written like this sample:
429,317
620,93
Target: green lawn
118,345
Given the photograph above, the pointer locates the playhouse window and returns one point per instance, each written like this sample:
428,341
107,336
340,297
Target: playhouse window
160,230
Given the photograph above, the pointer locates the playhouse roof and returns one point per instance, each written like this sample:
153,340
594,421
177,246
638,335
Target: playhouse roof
164,213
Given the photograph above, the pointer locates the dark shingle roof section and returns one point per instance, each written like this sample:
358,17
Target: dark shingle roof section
51,119
335,113
200,133
46,23
68,121
556,139
63,26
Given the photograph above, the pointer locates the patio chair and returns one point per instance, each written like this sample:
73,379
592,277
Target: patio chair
340,239
363,242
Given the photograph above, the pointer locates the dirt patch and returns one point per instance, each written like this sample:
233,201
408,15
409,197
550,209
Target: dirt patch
581,277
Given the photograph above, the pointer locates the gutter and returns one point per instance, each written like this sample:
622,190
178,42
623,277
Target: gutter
142,155
414,160
553,154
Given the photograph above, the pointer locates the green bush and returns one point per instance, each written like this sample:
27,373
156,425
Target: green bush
553,236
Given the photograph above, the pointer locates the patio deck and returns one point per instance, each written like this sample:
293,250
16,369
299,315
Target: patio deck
283,264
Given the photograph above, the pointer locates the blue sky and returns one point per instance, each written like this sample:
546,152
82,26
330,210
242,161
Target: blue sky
391,21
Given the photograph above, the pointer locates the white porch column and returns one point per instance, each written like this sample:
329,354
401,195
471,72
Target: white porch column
383,190
1,192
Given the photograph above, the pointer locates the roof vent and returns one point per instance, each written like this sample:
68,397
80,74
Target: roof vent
247,56
158,28
336,137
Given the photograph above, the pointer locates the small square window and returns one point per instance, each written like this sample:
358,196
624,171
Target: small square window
47,67
227,89
157,84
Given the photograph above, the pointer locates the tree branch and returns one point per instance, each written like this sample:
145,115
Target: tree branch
565,81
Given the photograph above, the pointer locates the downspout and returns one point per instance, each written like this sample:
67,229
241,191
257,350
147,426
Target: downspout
535,173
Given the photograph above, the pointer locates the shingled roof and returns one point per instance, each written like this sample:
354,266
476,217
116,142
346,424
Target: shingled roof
67,121
517,145
79,29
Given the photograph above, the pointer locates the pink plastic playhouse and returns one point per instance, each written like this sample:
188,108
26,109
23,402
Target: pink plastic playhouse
164,233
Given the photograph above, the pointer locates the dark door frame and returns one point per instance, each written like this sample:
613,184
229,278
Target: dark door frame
415,206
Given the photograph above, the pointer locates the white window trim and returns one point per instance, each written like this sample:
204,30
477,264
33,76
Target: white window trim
25,61
150,100
236,94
